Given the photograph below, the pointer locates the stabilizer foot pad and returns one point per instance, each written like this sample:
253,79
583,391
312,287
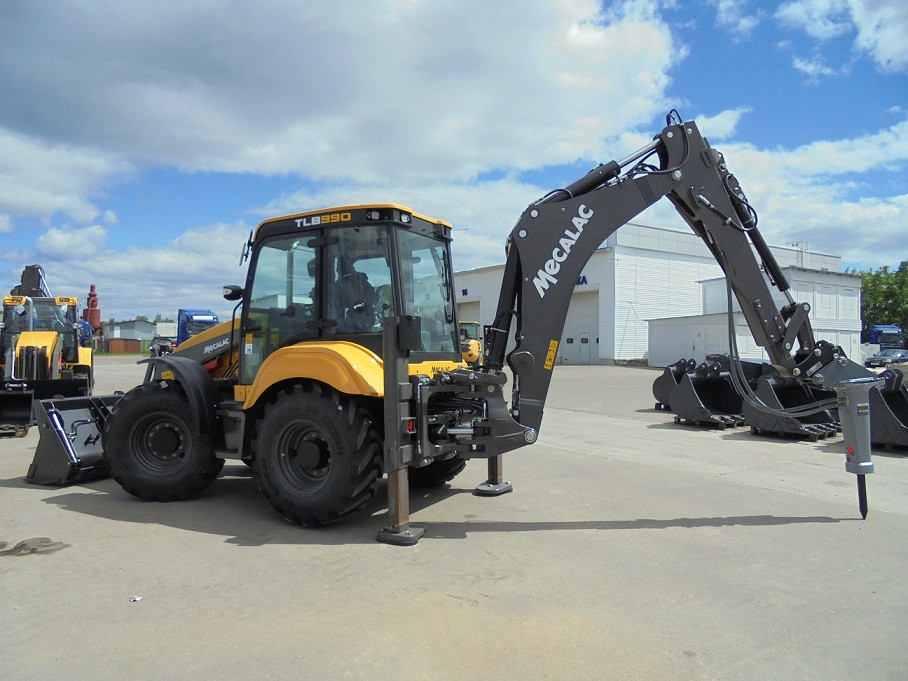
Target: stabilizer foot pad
407,537
493,489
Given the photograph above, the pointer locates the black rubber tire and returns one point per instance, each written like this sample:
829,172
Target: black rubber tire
152,448
436,473
317,455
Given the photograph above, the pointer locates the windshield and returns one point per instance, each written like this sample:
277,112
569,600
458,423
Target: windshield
426,286
46,315
890,339
195,328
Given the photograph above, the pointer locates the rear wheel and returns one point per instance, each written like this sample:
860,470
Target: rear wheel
436,473
317,455
152,448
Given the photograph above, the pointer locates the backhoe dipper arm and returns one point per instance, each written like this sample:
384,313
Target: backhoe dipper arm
556,236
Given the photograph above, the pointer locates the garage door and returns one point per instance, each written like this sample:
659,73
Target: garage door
580,340
468,312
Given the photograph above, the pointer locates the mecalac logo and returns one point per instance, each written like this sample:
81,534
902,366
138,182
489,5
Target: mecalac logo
216,346
546,274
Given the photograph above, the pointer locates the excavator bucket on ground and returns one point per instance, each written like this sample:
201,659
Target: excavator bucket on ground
778,392
18,400
889,411
69,447
668,381
706,395
15,412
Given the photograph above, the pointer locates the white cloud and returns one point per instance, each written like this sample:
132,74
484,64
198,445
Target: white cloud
810,194
732,14
71,243
812,68
820,19
723,124
39,179
188,271
268,90
883,31
6,224
880,26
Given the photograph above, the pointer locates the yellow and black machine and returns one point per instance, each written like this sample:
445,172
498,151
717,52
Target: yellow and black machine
345,360
42,357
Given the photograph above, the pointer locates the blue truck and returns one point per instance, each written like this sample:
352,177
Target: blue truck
887,336
192,322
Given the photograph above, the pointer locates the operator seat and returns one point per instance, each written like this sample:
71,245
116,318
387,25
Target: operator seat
356,303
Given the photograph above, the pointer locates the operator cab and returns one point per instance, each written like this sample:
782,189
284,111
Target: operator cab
59,315
336,274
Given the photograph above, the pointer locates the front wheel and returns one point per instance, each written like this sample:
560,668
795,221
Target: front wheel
152,446
317,455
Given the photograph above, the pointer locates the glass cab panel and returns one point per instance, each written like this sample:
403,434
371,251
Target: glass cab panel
340,284
283,301
290,302
426,287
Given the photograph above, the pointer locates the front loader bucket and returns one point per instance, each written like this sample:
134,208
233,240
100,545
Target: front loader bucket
785,393
15,412
47,388
69,447
668,380
889,411
706,395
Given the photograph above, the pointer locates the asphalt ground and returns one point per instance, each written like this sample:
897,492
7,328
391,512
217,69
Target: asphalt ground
631,548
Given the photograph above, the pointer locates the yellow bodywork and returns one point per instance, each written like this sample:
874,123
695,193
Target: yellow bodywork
346,367
40,339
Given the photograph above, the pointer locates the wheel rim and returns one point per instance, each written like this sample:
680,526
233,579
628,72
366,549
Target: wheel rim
304,454
159,442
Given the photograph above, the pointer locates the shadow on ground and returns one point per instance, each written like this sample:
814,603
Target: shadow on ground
234,508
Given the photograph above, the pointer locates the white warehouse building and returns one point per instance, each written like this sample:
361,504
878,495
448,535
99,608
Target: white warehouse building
643,273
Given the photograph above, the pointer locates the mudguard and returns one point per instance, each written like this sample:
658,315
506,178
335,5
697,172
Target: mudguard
196,382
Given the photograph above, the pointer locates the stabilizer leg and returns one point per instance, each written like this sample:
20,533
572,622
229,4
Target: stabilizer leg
398,531
496,484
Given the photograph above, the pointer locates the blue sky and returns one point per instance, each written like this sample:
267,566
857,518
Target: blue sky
141,141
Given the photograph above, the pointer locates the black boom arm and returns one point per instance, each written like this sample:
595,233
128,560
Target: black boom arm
557,235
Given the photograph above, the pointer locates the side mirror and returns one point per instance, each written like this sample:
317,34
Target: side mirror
233,292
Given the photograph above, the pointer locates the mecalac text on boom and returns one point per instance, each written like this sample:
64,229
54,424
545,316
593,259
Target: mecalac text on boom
546,274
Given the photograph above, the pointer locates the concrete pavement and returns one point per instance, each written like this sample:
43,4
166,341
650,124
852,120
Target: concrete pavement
631,548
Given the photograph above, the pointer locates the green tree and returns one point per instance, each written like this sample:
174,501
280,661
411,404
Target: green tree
884,295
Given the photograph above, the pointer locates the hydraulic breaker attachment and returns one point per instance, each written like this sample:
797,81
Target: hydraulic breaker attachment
706,396
15,411
780,393
668,380
854,413
69,447
889,411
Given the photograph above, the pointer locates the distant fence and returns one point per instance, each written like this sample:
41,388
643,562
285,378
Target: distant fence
126,346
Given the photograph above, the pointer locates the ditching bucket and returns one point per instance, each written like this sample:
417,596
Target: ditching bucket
668,381
15,412
69,448
889,411
779,392
706,395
